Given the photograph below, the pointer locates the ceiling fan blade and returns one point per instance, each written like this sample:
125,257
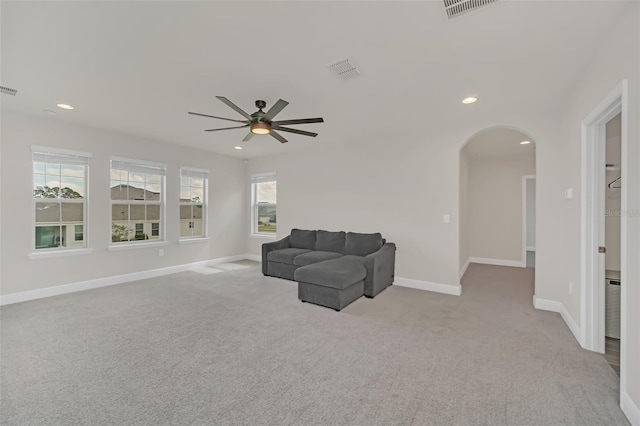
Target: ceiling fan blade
234,107
226,128
300,132
278,136
299,121
249,136
219,118
275,109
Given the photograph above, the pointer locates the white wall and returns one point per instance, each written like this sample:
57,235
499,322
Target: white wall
617,58
495,205
227,192
367,186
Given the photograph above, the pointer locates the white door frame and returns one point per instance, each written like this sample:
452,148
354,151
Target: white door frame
525,178
592,303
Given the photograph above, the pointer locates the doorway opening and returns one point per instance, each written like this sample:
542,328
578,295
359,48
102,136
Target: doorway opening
529,220
604,203
493,199
613,246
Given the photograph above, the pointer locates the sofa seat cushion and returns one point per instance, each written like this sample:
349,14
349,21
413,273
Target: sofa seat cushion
336,273
303,239
330,241
285,255
355,258
314,257
362,244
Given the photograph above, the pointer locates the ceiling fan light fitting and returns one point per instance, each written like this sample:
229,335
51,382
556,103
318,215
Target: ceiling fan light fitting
260,128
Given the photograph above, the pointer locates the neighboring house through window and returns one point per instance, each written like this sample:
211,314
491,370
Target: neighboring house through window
60,196
263,200
193,202
137,200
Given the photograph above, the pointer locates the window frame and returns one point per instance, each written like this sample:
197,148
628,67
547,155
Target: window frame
47,154
132,165
255,180
204,204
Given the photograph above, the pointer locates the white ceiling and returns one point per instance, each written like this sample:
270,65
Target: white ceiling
138,67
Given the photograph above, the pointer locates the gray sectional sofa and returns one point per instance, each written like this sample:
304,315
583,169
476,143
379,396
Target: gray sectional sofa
332,268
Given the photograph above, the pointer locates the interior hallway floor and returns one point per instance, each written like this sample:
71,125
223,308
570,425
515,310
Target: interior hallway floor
226,345
612,353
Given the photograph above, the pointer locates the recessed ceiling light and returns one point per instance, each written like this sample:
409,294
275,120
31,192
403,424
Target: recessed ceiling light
237,147
525,142
469,100
65,106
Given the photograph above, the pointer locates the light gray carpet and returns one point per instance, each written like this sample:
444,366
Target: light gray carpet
234,347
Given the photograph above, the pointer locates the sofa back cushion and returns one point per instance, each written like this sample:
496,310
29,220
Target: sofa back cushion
362,244
302,239
330,241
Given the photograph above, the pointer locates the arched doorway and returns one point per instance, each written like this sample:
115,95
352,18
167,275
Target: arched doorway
497,199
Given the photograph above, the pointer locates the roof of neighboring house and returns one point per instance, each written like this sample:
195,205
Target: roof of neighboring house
135,212
187,213
130,192
48,212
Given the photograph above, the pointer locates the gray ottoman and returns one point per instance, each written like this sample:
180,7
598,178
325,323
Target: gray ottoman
333,283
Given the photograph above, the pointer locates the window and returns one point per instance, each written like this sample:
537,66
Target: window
79,234
59,198
137,200
155,229
263,195
193,203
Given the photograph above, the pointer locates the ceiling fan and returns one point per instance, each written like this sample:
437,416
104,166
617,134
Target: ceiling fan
261,123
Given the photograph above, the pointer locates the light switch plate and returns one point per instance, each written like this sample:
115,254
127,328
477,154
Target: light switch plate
568,193
446,218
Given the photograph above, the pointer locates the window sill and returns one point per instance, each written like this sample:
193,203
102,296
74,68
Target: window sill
132,246
58,253
193,240
264,236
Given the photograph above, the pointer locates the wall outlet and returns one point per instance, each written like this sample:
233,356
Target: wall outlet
570,287
160,252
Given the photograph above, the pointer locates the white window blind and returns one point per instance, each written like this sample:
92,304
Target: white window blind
42,156
137,166
263,177
194,173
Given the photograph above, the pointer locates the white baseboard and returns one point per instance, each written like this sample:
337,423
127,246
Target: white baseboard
498,262
555,306
464,268
630,409
255,257
24,296
425,285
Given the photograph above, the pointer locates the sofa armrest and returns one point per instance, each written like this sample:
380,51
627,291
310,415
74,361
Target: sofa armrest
380,269
267,247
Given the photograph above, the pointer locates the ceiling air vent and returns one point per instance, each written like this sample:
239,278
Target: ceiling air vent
8,91
455,8
345,69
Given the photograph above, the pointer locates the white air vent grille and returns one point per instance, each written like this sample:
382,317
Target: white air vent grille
8,91
345,69
455,8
